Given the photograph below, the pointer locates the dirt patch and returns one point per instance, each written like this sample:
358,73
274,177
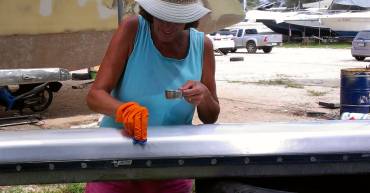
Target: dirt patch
240,102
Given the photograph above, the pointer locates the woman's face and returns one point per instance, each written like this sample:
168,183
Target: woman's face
166,31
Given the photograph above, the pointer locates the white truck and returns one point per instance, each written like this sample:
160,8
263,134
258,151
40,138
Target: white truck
252,40
223,41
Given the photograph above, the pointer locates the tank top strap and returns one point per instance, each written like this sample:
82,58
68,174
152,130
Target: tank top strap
142,35
197,44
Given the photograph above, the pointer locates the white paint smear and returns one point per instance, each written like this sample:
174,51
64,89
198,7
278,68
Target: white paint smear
46,7
82,3
104,12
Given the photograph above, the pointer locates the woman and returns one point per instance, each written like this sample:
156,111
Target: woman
148,54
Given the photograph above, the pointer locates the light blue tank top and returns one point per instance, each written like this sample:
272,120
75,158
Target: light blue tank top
149,73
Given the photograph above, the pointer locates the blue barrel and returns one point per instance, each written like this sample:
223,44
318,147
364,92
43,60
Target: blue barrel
355,90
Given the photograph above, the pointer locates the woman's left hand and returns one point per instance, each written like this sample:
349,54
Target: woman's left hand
194,92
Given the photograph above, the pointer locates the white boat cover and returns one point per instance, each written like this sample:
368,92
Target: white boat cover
360,3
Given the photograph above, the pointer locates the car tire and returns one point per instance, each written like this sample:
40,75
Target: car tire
46,97
267,49
236,59
360,58
251,47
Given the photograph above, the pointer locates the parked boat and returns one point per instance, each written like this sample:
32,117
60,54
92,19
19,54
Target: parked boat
350,5
318,22
297,23
347,24
269,19
291,23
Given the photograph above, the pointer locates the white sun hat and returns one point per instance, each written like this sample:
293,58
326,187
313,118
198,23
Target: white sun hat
212,14
176,11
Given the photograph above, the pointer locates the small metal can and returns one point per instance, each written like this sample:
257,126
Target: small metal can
173,94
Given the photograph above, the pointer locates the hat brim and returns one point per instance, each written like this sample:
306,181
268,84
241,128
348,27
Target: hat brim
173,12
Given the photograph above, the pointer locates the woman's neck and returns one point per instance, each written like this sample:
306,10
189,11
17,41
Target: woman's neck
178,48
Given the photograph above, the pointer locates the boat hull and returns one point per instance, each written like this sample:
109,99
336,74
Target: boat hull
205,151
290,29
347,24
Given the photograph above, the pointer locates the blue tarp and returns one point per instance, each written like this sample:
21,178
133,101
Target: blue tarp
6,97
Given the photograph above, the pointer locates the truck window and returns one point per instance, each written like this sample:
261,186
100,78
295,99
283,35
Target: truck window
224,32
234,32
250,31
240,33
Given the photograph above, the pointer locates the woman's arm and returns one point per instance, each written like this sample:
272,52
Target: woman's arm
203,94
111,68
209,108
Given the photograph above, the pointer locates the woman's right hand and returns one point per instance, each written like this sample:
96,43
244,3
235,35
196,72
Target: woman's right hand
134,119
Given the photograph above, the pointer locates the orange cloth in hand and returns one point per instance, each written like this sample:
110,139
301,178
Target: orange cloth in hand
134,119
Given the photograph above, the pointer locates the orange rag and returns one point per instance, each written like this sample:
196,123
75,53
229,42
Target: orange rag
134,119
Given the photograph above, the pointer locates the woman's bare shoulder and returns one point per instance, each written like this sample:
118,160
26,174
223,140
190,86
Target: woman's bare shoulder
129,25
208,45
130,21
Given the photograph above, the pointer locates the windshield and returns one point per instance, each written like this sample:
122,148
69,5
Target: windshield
364,35
234,32
223,32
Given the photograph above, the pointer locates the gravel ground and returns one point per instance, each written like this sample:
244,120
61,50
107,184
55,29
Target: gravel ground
281,86
295,63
